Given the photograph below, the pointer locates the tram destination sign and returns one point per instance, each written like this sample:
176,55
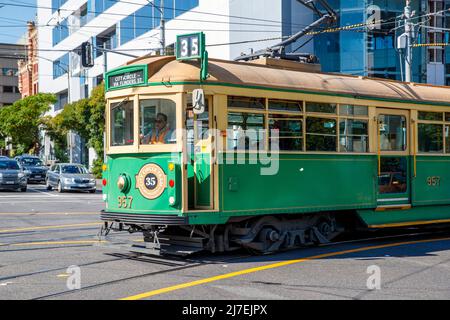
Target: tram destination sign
125,77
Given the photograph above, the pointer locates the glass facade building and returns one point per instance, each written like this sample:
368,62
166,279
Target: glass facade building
365,52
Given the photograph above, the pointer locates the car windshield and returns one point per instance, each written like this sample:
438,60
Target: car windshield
73,169
31,162
9,165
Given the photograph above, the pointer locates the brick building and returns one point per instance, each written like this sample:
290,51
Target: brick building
28,68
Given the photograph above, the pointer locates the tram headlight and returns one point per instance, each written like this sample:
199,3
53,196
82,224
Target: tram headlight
171,201
123,182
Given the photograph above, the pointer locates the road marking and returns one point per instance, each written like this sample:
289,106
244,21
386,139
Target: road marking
49,243
47,193
52,227
268,267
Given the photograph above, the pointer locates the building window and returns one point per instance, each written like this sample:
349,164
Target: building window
10,72
62,99
60,66
107,40
60,32
148,17
127,29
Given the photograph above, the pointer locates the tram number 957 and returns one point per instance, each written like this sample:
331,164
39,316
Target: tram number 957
124,201
434,181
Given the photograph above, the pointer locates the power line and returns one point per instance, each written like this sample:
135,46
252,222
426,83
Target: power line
147,16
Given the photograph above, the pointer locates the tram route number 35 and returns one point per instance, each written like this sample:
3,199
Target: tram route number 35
124,201
189,47
434,181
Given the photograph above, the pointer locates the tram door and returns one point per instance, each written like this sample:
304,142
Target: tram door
200,153
393,158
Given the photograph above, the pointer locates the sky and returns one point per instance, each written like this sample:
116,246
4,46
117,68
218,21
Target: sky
13,19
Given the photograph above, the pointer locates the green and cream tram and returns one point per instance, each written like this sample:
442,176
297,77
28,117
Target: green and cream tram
268,154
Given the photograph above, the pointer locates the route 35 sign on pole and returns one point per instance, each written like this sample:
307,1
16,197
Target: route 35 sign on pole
192,46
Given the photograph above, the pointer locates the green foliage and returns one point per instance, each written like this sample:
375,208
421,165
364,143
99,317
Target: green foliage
22,121
87,118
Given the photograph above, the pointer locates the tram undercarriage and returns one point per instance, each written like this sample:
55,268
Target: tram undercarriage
259,235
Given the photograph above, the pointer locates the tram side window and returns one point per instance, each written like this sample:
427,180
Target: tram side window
122,121
321,107
433,135
430,138
321,134
246,103
353,135
245,131
286,132
157,121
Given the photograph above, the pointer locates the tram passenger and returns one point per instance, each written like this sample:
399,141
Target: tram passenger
161,132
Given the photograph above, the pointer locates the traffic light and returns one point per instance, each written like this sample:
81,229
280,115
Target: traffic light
87,54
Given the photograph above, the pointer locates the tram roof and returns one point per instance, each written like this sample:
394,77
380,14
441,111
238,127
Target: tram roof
244,74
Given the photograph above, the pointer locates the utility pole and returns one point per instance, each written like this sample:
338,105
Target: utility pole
409,32
162,30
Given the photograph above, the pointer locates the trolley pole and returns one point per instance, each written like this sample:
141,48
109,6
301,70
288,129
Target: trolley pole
162,30
409,31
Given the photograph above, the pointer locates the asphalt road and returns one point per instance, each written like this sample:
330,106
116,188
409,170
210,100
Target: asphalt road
43,233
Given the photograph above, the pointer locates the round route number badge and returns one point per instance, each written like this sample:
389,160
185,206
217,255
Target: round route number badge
151,181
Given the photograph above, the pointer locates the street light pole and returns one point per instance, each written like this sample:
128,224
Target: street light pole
162,30
409,31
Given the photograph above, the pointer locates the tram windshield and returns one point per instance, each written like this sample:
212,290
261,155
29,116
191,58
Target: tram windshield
122,123
157,121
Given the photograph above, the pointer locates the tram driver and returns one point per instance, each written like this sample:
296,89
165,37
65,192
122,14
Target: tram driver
161,132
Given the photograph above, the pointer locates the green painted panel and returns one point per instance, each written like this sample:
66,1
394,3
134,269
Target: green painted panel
303,183
203,179
415,214
439,190
130,165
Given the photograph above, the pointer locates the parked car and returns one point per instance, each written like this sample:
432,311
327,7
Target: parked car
70,177
34,168
12,176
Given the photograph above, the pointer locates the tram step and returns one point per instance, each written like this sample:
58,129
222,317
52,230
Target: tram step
393,207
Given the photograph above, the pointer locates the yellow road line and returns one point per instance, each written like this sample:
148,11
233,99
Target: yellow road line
267,267
52,227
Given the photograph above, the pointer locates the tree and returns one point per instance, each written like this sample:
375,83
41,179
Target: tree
96,126
23,120
87,118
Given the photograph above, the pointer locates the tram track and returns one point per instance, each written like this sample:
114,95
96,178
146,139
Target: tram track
192,263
